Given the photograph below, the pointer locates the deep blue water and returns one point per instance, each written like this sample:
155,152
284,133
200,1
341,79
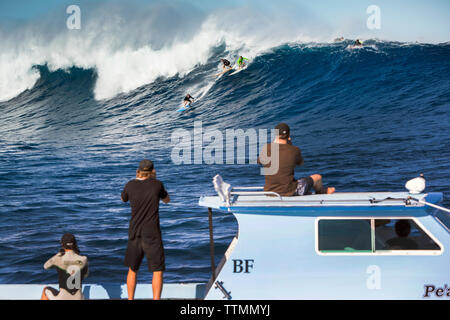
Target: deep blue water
366,119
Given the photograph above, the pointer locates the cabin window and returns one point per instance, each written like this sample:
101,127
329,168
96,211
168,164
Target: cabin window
444,218
401,234
345,235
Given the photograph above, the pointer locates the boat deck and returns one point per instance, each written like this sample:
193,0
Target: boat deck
107,291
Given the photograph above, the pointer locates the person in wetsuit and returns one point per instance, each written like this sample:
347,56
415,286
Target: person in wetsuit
72,268
188,99
358,43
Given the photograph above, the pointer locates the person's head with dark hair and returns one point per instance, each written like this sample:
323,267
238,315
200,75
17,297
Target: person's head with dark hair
402,228
68,242
283,131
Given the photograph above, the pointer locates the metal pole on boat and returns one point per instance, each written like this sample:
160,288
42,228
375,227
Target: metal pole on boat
211,244
430,204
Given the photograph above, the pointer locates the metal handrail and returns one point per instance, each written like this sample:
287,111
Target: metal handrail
253,193
429,204
247,188
321,201
256,193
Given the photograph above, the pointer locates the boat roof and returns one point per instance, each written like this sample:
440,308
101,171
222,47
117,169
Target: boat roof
339,200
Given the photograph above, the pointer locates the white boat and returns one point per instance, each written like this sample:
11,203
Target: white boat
365,245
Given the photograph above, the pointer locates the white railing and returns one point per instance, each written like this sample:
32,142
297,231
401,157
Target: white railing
253,193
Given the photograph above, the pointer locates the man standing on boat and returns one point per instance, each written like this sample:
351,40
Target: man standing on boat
144,235
290,156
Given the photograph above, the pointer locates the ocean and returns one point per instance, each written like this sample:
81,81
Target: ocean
367,119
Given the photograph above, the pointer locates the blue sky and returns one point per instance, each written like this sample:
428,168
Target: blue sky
404,20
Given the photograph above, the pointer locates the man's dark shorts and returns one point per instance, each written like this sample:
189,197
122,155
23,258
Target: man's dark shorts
304,186
153,250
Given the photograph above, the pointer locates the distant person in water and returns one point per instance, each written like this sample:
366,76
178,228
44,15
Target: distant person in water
339,39
188,99
283,181
225,64
358,43
72,268
144,234
241,62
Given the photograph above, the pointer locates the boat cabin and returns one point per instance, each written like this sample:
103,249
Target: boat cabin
364,245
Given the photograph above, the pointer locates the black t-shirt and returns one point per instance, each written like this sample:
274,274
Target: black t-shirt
226,62
144,196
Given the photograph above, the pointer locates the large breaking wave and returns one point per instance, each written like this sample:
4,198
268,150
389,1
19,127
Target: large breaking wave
80,110
130,46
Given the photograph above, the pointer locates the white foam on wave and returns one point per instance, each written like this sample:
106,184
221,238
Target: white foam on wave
125,58
15,75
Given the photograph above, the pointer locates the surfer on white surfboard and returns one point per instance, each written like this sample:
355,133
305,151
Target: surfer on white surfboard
226,65
240,62
356,45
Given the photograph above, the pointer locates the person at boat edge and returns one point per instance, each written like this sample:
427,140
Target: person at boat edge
72,268
144,234
289,156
